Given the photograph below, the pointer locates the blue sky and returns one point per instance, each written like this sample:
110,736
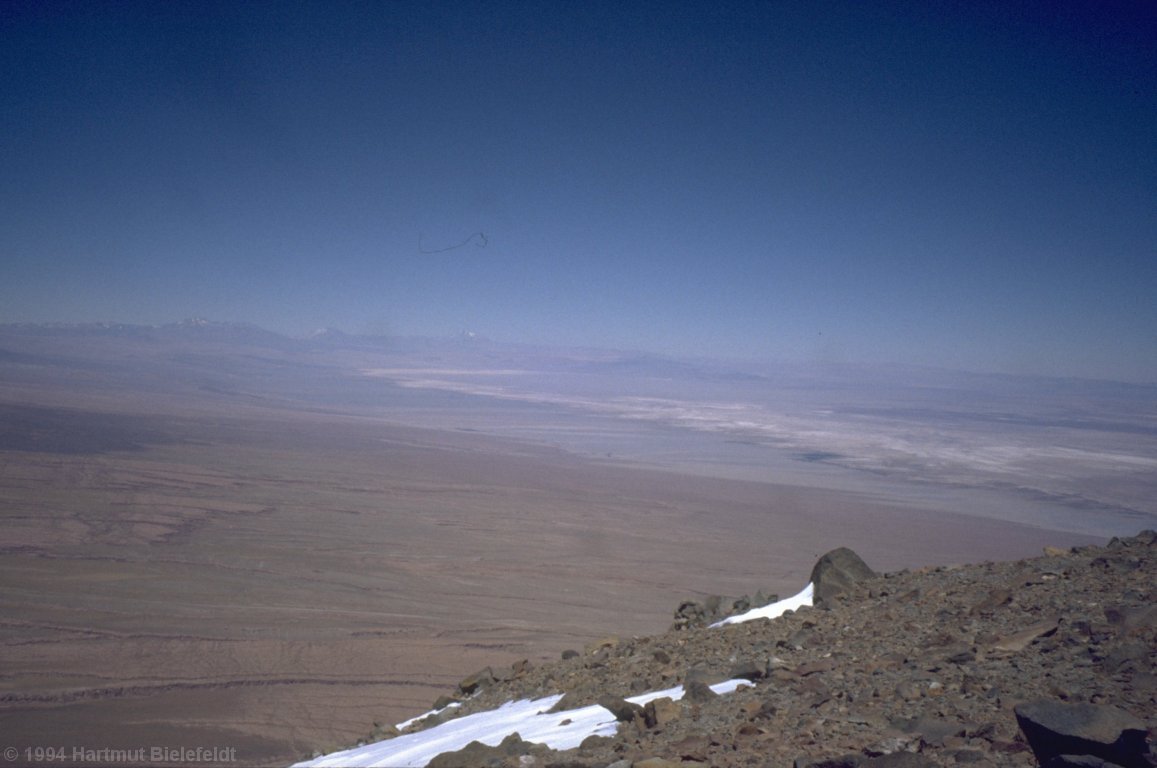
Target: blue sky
967,184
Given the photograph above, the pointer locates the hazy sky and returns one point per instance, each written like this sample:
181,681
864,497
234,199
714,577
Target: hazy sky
965,184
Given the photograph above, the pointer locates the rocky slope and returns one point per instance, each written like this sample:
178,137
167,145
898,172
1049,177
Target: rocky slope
1006,664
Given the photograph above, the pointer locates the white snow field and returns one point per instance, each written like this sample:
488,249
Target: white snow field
528,718
773,610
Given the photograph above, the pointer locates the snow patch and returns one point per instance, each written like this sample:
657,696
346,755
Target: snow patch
528,718
774,610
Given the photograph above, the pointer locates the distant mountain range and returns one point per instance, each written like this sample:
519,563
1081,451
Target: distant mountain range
575,359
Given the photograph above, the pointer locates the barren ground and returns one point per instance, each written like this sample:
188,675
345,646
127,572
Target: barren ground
276,582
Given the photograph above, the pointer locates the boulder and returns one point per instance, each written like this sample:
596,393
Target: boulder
703,674
480,679
837,572
1018,641
997,598
659,712
444,701
623,710
610,641
698,691
568,702
1054,728
749,669
692,614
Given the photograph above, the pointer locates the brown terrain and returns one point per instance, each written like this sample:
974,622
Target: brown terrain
182,568
1048,661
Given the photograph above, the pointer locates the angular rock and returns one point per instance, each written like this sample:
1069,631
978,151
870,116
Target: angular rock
623,710
893,745
748,670
703,674
1018,641
594,741
712,605
837,572
690,614
692,748
962,656
659,712
698,691
997,598
444,701
480,679
610,641
568,701
1053,729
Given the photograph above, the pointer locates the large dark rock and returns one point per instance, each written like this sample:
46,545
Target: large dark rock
836,572
1054,728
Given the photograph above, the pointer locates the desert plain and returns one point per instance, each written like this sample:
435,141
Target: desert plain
202,546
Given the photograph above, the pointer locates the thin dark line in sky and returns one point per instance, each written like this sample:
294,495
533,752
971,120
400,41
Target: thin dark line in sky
478,238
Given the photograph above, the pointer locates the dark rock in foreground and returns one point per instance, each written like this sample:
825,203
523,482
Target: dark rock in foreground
837,572
1054,728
